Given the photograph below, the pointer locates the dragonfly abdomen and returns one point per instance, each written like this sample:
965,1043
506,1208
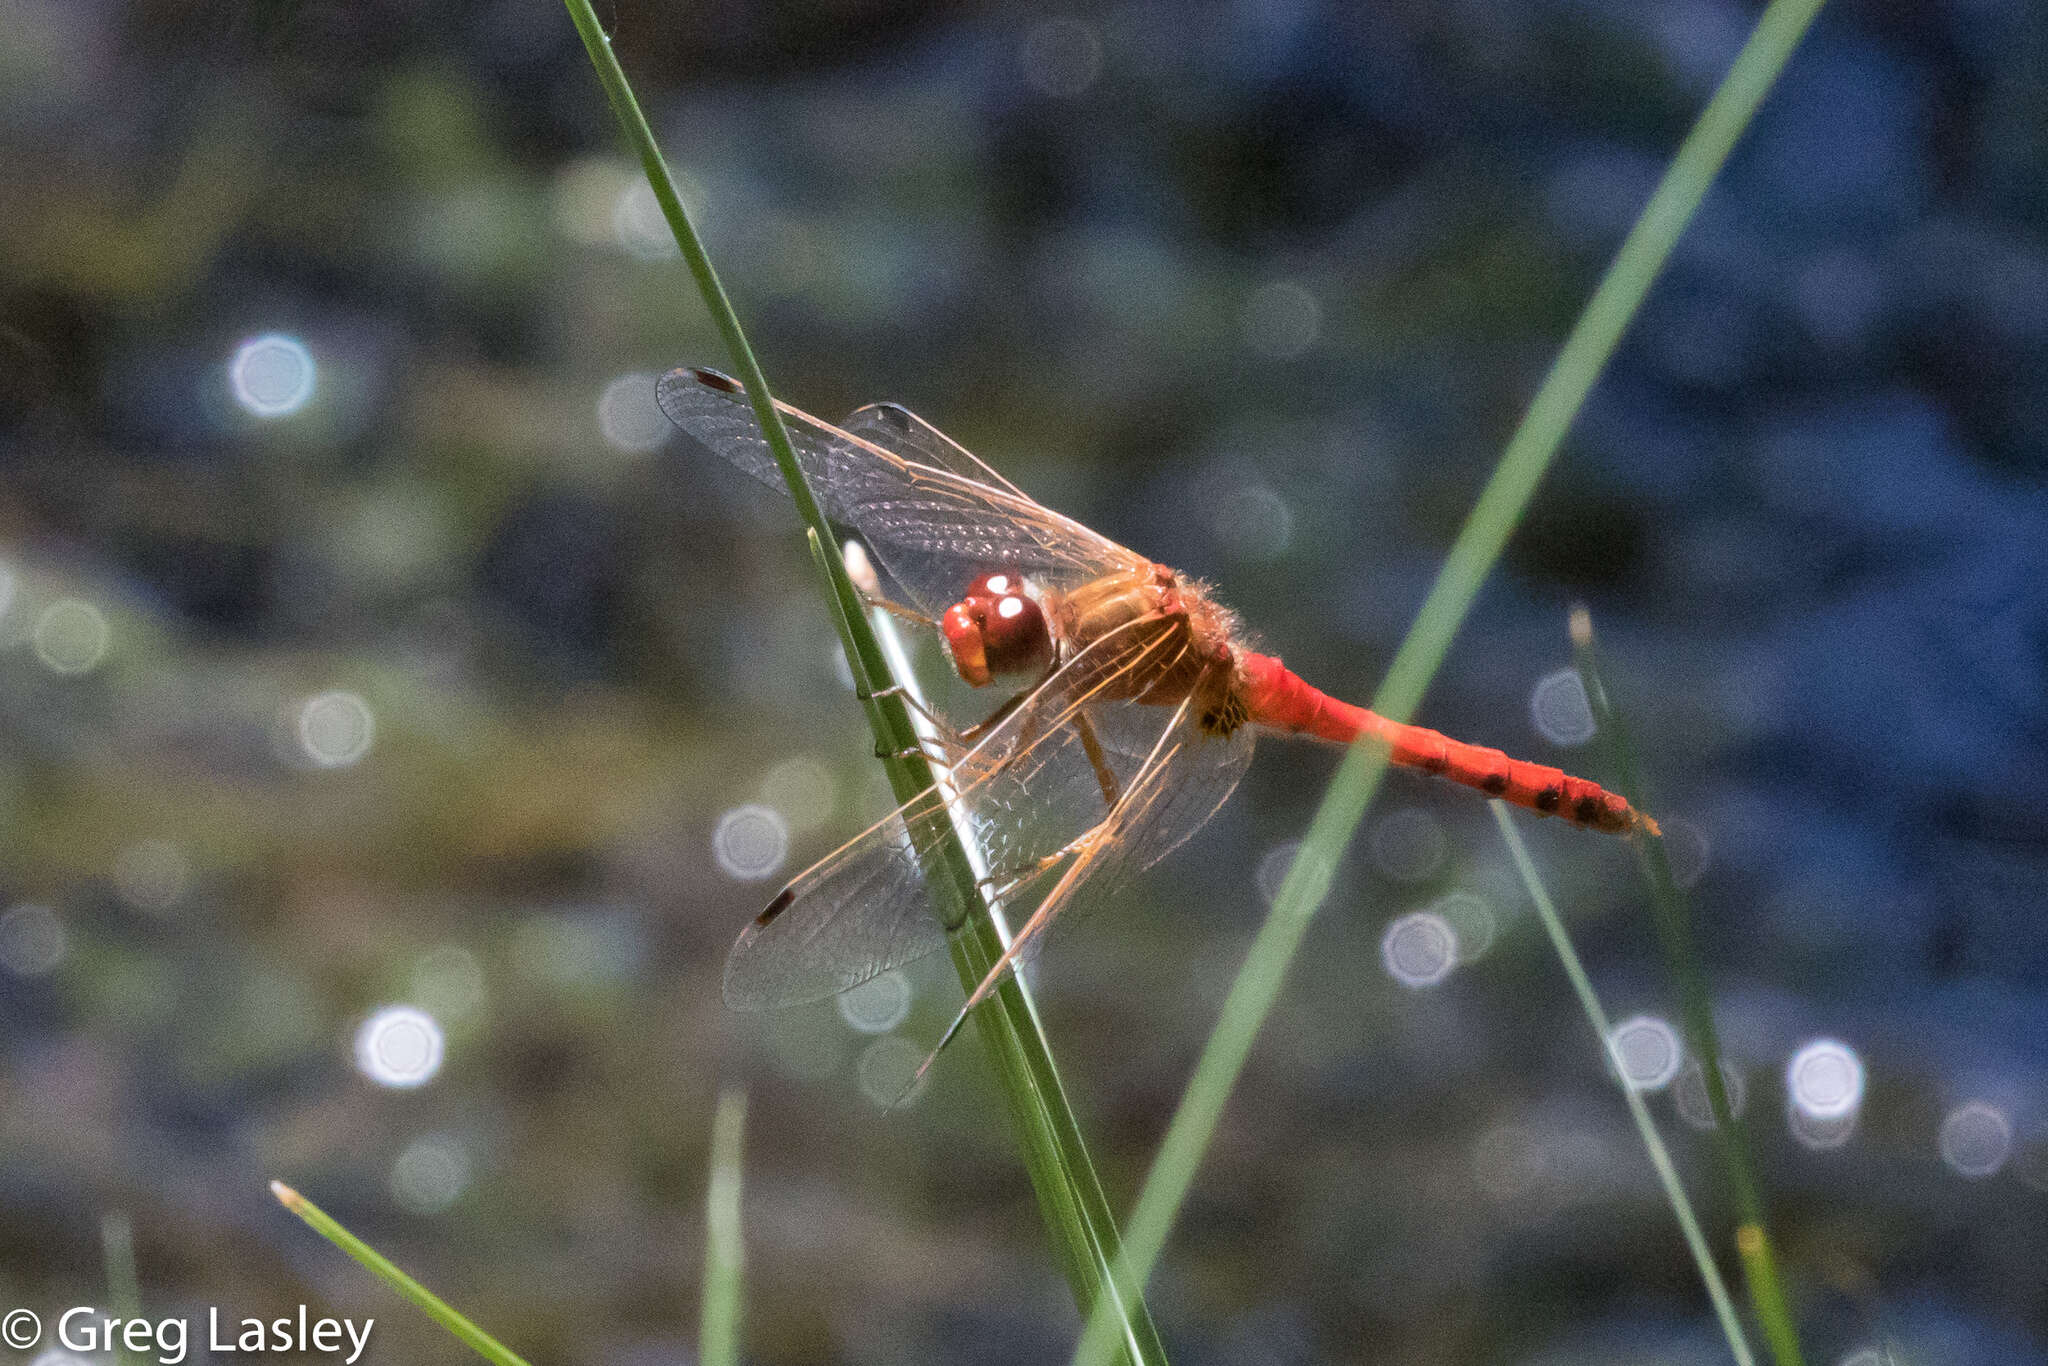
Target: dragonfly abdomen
1277,697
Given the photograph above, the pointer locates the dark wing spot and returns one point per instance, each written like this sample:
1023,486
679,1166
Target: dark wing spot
1589,809
898,415
1435,764
776,907
1547,799
1496,783
719,380
1225,717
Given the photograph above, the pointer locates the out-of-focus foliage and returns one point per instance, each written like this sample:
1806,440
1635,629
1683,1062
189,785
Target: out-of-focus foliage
438,688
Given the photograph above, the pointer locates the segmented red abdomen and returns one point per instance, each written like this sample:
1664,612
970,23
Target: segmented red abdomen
1276,696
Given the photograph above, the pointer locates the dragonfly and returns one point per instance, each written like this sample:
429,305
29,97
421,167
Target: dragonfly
1135,700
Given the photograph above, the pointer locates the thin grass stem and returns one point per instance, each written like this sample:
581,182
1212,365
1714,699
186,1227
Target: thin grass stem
718,1321
1493,518
435,1308
124,1288
1673,918
1653,1142
1070,1197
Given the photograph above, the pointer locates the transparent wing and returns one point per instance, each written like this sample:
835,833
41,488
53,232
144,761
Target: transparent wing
899,431
933,527
1199,772
1034,799
1186,775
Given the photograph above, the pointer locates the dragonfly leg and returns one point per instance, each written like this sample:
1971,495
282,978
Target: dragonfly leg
1096,758
1002,886
897,609
912,701
917,751
974,733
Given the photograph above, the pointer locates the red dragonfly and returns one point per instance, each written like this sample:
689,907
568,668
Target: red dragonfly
1138,702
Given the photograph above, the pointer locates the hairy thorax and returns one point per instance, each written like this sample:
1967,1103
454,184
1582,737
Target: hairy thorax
1178,642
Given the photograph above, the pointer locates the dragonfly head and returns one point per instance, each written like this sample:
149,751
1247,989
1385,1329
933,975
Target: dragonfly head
997,628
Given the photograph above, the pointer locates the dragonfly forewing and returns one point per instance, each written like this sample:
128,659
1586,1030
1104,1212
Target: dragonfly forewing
899,431
933,528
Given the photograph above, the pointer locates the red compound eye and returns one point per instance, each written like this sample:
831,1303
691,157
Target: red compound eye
996,629
1015,636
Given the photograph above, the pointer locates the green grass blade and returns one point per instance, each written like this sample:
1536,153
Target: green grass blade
1673,919
1049,1139
1653,1143
1499,508
124,1289
434,1306
718,1323
633,123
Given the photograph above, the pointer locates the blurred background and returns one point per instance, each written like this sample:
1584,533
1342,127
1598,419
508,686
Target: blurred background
397,725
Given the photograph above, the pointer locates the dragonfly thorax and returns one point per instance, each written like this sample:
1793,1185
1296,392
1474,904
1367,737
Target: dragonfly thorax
1175,638
997,628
